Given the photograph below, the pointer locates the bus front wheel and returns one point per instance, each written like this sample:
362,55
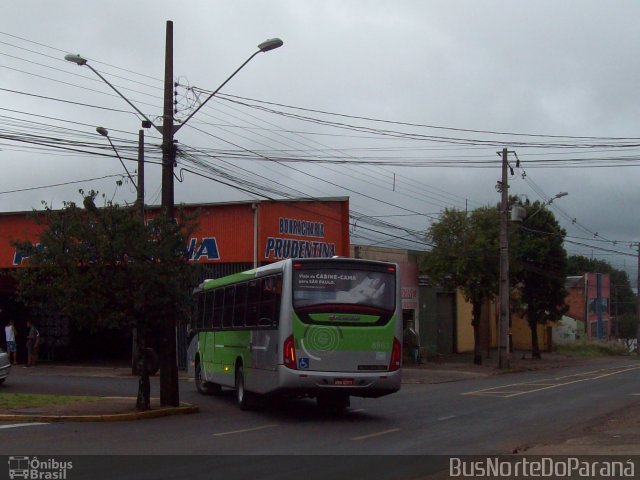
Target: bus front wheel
204,387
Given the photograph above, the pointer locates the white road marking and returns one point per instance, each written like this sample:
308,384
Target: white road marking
448,417
18,425
244,431
525,388
377,434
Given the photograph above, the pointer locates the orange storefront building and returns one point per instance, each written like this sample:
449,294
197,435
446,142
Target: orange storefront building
229,238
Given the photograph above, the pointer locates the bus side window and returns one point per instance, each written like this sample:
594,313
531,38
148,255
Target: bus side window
271,293
207,311
253,303
278,299
217,307
240,305
198,314
229,304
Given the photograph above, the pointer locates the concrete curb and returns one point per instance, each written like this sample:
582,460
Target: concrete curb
107,417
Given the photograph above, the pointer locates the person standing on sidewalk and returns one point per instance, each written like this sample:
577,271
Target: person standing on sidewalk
10,335
33,342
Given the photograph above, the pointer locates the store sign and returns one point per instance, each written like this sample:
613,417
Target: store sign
206,248
281,247
408,292
197,249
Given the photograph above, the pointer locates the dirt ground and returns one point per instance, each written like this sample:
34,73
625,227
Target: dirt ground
614,434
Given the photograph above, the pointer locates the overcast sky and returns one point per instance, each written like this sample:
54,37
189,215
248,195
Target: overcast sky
420,85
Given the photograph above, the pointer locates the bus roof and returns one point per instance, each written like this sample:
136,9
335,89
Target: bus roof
278,267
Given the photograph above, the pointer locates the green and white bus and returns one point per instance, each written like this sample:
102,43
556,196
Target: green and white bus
328,328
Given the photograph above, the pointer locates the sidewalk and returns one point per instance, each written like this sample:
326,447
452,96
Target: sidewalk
457,367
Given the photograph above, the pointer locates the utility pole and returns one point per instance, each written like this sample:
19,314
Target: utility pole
503,359
168,151
140,191
169,393
638,306
135,353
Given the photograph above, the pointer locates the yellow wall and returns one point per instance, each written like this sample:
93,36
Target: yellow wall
494,319
464,333
465,329
520,331
521,334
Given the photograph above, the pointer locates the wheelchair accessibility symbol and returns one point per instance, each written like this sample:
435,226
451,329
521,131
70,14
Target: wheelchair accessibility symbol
303,363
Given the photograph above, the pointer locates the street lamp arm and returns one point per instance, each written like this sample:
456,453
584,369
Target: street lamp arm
547,203
82,62
100,130
123,97
178,127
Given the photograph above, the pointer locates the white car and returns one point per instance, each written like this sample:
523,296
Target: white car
5,366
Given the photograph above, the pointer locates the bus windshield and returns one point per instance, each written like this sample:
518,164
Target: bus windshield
343,286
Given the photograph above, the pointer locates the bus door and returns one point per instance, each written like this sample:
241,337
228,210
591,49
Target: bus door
263,312
264,349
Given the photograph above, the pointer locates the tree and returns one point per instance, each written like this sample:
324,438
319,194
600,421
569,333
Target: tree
628,328
465,255
104,267
538,269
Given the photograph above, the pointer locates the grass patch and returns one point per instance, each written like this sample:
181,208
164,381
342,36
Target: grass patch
26,400
593,349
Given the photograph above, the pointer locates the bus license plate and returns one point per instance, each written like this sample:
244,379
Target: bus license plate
343,381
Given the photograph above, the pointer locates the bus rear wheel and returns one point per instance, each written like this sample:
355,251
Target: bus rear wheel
243,398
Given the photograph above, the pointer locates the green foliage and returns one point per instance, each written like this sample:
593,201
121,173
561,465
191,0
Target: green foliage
465,255
539,269
627,325
103,267
539,265
9,401
593,349
465,252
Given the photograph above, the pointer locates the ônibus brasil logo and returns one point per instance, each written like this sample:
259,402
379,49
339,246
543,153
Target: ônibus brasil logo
36,469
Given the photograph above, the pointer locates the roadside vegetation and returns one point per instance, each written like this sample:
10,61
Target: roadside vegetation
104,267
593,349
465,252
11,401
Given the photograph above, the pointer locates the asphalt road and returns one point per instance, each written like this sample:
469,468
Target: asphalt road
486,416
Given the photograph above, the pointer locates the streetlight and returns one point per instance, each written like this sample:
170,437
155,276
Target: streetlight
140,185
169,394
105,133
82,62
547,203
266,46
169,130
